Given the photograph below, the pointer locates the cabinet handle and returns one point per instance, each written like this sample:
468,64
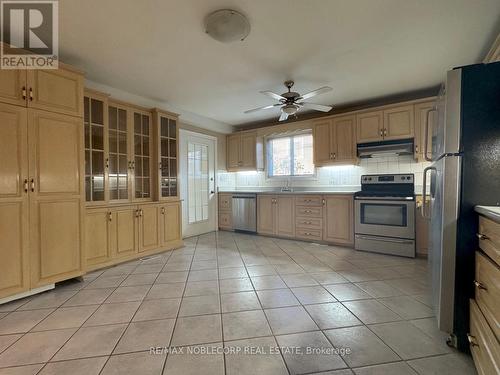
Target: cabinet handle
133,164
308,211
472,340
381,132
482,236
331,155
107,163
142,212
480,285
416,149
334,155
163,210
32,181
25,185
385,132
159,166
136,213
323,202
24,92
31,94
110,216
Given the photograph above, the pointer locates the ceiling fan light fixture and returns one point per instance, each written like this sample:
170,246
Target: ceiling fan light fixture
227,25
290,109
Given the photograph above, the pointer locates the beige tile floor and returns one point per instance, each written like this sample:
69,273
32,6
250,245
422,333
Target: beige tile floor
241,304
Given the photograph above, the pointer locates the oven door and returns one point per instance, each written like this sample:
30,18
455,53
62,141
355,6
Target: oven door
387,218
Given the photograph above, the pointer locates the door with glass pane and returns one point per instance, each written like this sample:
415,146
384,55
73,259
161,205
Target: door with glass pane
96,161
167,133
197,168
119,163
142,155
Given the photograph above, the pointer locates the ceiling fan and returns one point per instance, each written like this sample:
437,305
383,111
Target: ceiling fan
290,102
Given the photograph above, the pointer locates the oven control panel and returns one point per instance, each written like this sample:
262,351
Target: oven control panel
387,179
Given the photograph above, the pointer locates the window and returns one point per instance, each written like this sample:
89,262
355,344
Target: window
290,156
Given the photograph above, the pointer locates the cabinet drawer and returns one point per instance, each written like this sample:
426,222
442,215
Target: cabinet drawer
309,211
226,220
309,223
309,234
488,291
483,344
489,234
225,202
309,200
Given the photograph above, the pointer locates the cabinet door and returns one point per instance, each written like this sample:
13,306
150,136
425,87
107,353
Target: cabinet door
13,86
170,221
248,150
56,198
168,150
149,238
14,251
398,123
369,126
119,161
233,151
266,214
124,232
56,90
285,216
421,116
344,140
142,155
98,236
322,143
338,219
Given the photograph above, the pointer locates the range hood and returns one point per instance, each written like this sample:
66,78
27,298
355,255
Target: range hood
385,148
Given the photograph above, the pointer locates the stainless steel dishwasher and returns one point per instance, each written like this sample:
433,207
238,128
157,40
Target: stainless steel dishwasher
245,212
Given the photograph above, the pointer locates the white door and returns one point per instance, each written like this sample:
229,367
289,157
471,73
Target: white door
197,173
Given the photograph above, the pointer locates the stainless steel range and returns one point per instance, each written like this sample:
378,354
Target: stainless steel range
385,214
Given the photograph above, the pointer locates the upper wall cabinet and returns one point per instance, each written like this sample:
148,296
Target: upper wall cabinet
244,152
389,124
335,141
424,113
166,131
55,90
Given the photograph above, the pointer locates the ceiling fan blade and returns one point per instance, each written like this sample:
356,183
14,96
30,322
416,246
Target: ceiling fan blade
273,95
265,107
283,116
317,107
319,91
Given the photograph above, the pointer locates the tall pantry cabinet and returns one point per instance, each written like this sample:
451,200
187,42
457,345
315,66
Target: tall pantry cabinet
41,178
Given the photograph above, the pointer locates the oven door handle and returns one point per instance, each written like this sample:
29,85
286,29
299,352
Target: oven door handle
394,240
424,213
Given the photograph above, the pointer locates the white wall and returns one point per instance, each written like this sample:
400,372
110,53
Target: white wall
337,177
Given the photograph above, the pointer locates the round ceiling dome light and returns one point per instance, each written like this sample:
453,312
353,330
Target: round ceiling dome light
227,26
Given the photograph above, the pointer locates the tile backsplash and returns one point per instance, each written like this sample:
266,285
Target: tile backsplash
347,177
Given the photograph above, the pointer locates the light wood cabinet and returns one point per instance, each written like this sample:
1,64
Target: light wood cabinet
125,232
285,216
225,211
266,214
335,141
338,219
149,228
14,250
56,90
13,86
170,224
384,125
98,236
244,152
56,197
424,113
484,345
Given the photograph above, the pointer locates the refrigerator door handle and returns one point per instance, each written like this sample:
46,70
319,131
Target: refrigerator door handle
426,136
424,194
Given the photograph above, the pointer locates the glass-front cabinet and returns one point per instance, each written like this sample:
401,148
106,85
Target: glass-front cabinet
119,160
166,126
142,165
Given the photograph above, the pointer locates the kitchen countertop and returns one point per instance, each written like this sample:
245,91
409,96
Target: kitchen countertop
278,191
491,212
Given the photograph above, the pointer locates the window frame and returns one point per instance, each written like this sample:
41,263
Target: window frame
268,155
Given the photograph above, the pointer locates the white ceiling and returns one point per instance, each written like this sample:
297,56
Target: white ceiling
364,49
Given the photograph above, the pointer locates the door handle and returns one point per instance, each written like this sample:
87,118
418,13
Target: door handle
25,185
426,135
212,192
424,194
32,181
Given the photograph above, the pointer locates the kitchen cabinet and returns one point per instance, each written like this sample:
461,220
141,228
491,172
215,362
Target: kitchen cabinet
56,196
335,141
424,113
388,124
142,150
285,215
55,90
98,236
266,214
309,217
125,233
225,211
244,152
149,227
14,250
338,219
170,224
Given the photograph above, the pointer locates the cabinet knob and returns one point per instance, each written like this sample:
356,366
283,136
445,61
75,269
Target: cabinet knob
472,340
480,285
482,236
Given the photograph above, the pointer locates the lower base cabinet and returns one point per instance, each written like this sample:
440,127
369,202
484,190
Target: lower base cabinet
276,215
338,218
118,234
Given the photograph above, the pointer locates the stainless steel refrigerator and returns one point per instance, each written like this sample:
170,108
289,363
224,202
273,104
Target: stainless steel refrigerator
465,171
